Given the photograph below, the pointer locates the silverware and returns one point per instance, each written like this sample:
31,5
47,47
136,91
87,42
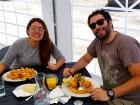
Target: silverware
29,97
32,94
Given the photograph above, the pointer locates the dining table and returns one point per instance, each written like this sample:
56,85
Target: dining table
11,99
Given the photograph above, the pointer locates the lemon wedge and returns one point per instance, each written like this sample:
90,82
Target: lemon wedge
67,80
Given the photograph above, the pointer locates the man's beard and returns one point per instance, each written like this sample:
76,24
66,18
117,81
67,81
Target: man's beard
107,34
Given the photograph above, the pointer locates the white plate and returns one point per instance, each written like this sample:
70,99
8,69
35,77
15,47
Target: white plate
67,91
23,90
4,76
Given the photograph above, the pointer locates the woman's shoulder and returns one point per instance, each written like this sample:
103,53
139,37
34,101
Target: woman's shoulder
20,41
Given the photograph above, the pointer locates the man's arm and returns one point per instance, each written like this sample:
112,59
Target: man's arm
81,63
131,84
126,88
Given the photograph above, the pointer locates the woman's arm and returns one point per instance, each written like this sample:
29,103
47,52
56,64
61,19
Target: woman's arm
60,62
2,68
10,55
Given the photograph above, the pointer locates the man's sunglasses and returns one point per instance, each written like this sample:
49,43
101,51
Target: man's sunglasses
99,22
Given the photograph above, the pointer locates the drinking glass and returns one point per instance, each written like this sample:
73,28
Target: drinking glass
41,96
51,81
2,88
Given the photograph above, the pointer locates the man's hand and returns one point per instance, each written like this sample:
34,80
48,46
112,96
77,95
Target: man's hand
98,94
67,72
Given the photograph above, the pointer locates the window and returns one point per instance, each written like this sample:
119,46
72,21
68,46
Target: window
14,16
125,17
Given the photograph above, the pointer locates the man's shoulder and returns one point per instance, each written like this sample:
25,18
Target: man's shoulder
125,38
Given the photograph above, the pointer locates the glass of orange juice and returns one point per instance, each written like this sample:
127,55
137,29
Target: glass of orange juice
51,81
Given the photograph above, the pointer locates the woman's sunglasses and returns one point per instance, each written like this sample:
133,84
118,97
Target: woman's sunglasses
99,22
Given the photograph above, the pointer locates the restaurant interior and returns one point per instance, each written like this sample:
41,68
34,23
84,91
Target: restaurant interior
67,24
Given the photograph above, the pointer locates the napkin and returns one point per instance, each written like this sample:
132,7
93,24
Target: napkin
57,95
64,99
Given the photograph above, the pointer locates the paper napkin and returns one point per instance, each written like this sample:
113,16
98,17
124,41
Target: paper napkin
57,95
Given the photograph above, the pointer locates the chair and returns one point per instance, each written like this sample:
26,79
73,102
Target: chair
3,52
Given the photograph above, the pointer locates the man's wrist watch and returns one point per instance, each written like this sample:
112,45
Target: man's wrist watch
111,94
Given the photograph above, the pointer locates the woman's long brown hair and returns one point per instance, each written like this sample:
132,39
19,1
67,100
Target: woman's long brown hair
46,46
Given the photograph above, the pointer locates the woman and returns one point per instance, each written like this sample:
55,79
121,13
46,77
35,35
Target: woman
36,49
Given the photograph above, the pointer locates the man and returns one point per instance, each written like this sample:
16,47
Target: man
119,60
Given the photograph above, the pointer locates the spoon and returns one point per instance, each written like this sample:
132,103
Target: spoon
32,94
29,97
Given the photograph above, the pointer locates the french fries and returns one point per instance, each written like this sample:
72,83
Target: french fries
23,73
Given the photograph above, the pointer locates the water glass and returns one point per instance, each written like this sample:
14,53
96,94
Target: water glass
40,78
2,89
41,96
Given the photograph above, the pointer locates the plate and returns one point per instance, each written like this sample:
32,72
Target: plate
24,90
4,76
67,91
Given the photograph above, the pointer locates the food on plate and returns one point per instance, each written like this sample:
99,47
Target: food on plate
51,82
66,80
29,88
77,84
86,84
23,73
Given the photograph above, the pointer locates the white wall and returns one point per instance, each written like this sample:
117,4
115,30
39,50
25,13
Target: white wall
63,24
64,27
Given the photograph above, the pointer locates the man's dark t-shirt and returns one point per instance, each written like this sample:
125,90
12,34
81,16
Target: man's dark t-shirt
114,58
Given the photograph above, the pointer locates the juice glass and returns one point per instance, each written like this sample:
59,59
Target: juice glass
51,81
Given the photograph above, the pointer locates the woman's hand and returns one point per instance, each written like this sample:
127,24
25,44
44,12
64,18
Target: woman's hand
1,71
2,68
98,94
52,67
67,72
